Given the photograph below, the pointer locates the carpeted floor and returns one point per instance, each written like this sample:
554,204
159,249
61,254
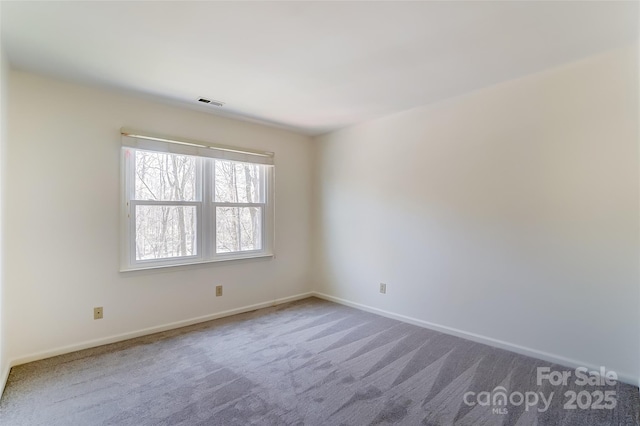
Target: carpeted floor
309,362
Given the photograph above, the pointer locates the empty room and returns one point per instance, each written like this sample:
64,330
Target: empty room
320,213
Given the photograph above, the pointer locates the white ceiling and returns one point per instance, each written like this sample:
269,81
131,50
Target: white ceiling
308,66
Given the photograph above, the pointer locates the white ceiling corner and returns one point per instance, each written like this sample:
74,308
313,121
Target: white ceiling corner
311,67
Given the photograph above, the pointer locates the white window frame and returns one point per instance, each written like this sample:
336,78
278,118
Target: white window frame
205,203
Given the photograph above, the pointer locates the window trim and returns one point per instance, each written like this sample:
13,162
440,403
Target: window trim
205,211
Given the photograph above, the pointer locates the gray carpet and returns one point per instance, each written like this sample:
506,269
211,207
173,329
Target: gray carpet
309,362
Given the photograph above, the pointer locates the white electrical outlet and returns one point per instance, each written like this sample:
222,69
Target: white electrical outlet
383,288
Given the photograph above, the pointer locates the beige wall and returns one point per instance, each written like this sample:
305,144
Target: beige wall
510,214
63,206
4,86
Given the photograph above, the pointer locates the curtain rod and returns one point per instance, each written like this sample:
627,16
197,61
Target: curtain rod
184,141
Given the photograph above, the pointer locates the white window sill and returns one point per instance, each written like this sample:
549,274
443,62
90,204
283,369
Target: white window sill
229,258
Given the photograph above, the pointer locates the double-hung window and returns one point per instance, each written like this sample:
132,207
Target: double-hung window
186,202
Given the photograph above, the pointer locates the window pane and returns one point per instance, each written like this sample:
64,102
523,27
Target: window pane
237,182
238,229
164,177
165,231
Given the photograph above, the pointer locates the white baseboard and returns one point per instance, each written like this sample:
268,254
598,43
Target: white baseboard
522,350
556,359
144,332
4,376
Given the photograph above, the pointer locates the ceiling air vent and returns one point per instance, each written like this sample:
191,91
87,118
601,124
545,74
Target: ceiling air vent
210,102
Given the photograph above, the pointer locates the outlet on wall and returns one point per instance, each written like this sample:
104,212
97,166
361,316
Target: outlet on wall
218,290
383,288
97,313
